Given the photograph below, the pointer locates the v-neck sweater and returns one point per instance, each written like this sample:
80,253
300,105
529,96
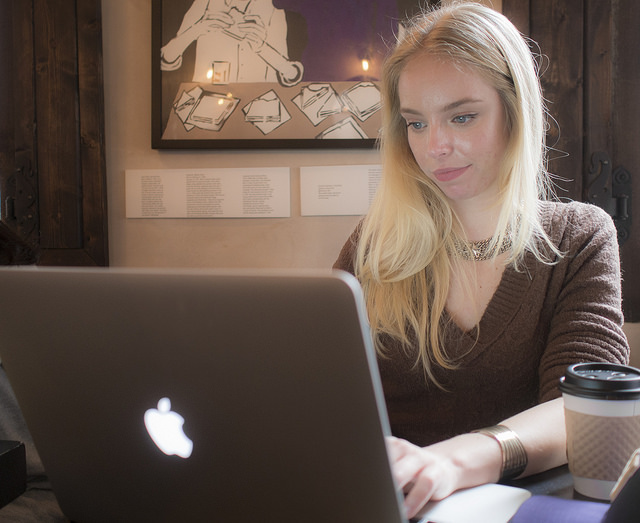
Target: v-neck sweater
541,318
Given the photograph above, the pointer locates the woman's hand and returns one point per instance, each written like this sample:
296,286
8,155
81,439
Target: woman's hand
422,474
468,460
434,472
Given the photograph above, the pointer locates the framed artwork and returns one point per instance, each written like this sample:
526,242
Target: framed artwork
238,74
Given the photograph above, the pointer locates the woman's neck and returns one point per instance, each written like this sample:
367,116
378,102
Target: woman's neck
478,219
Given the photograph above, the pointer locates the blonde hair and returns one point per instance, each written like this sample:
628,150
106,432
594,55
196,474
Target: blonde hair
402,260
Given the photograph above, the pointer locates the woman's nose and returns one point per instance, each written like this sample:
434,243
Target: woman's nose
438,141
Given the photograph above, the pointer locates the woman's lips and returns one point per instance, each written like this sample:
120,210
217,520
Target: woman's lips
447,174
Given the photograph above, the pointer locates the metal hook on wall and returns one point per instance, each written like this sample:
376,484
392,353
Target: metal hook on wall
610,189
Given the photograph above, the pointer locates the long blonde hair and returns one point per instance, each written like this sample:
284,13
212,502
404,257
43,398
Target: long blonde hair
402,260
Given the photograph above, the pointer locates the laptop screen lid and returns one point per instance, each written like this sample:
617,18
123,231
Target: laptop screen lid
272,374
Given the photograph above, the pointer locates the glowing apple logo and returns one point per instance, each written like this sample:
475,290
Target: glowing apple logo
165,428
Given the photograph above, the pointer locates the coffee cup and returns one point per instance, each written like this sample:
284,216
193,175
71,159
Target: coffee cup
602,416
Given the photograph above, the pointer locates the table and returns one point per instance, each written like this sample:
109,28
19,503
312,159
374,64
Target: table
556,482
38,504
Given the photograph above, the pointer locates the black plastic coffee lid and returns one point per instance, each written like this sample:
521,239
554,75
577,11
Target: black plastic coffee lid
601,381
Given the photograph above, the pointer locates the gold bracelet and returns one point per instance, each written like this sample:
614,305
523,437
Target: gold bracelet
514,455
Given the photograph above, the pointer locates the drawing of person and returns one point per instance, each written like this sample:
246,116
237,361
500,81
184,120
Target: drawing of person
236,41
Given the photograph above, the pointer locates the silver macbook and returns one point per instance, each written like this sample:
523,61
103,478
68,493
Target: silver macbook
169,395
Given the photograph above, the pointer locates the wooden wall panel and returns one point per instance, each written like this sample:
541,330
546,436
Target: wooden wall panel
57,113
625,150
91,129
592,84
18,179
557,26
54,157
598,59
518,11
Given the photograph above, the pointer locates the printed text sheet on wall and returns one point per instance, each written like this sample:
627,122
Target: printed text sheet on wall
208,193
338,190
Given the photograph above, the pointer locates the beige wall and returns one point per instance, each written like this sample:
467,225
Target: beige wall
294,242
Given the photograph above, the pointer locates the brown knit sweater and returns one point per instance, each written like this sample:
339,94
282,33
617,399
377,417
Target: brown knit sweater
540,320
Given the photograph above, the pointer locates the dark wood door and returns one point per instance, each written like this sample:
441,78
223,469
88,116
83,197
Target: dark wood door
590,67
52,165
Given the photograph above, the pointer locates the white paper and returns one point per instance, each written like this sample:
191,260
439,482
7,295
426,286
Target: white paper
208,193
339,190
486,503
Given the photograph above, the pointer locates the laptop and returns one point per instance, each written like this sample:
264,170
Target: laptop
190,395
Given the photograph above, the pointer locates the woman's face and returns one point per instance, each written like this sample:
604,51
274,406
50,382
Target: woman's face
455,126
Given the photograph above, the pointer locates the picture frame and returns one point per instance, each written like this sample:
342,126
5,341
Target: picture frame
270,74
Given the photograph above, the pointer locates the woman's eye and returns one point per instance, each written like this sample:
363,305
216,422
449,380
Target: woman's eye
415,125
464,118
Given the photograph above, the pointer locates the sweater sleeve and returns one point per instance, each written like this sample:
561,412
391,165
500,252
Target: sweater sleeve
346,258
586,324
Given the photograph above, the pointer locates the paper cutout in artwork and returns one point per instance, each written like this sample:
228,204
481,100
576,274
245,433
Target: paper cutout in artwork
266,112
203,109
345,129
363,100
317,102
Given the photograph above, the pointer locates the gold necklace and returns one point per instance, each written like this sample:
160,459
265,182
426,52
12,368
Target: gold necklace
479,251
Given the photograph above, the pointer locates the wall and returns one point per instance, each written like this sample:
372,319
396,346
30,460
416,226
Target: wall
296,242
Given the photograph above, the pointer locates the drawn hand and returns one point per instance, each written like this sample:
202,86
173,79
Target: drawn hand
215,21
253,30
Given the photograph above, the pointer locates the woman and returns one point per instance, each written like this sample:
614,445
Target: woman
479,291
